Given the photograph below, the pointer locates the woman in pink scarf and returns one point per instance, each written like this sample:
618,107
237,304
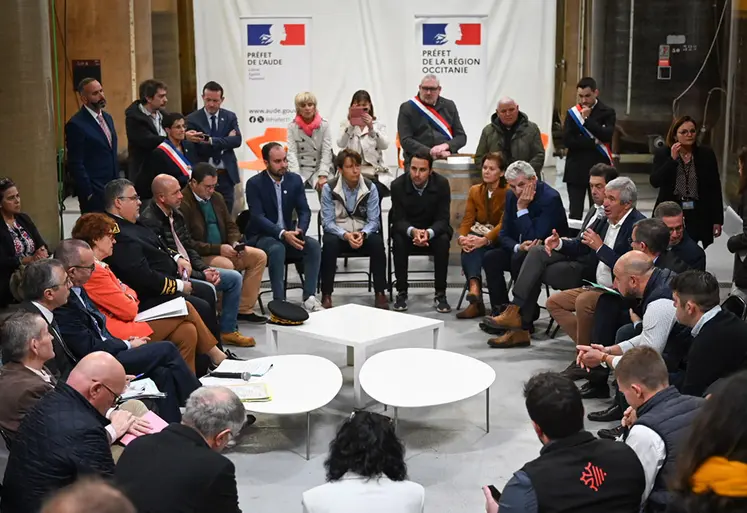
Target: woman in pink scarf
309,143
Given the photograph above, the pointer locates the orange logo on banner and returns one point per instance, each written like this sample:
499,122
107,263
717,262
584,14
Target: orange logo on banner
272,134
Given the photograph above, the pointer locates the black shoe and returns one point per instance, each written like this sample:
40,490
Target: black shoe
250,419
612,433
252,318
589,391
400,303
612,413
575,372
230,355
441,304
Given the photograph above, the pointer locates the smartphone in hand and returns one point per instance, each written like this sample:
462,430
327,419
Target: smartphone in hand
355,116
495,493
239,247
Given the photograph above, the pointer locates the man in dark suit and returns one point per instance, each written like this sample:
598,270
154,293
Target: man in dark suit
420,224
273,196
680,243
180,468
225,136
651,236
587,133
91,147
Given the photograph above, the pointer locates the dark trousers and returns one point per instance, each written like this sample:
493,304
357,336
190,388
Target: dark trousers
612,313
403,248
472,261
625,333
162,362
495,264
225,187
576,195
373,247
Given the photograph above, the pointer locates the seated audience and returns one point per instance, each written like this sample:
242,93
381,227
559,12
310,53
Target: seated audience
88,496
83,327
66,435
680,243
575,471
737,244
651,236
478,233
119,303
309,143
658,418
20,241
420,223
711,471
351,219
274,196
215,237
512,134
719,345
162,215
180,468
534,211
366,471
174,156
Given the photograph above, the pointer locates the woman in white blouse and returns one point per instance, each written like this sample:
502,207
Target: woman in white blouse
309,143
366,471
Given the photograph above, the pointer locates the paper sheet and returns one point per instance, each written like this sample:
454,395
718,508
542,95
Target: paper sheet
142,388
174,308
157,424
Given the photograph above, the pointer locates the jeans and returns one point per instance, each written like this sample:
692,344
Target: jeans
276,252
472,262
373,247
230,284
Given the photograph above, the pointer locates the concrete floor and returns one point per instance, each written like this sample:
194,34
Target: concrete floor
448,451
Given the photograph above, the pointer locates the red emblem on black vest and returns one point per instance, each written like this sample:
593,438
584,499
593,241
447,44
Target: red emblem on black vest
593,476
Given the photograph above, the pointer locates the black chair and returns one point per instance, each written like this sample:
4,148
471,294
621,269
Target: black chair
345,255
414,251
735,305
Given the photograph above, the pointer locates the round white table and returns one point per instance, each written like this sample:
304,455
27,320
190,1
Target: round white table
416,378
298,383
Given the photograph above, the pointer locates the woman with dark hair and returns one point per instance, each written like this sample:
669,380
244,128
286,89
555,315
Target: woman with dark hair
737,244
366,471
174,156
20,241
711,472
687,174
481,224
364,134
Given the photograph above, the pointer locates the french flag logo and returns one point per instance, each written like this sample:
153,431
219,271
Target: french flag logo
467,34
289,34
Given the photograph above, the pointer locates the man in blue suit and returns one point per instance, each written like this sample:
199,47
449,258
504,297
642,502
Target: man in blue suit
272,196
91,147
223,128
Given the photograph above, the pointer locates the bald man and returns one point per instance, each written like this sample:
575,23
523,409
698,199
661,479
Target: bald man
66,435
162,215
89,496
511,133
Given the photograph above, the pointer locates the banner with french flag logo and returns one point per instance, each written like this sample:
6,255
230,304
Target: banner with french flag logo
454,49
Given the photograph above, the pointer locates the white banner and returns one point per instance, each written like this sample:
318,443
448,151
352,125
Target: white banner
277,66
454,49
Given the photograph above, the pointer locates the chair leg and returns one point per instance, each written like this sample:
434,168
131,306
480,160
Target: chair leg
555,332
549,326
261,306
464,293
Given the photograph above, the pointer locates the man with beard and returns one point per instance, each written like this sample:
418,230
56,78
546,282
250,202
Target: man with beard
91,147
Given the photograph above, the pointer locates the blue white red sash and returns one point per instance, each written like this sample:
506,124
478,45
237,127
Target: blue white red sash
434,117
177,157
575,113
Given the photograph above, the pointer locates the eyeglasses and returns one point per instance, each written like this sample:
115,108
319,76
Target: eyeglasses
89,268
430,89
117,397
136,197
686,132
67,282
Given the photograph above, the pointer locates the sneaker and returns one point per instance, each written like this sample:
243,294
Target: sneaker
230,355
312,305
441,304
252,318
400,304
237,339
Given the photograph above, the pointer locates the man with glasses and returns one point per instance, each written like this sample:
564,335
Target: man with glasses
429,123
67,434
680,243
83,328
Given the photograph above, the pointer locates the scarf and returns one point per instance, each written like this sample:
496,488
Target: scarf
721,476
308,128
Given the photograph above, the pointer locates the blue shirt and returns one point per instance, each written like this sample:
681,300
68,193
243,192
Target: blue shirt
279,196
518,495
328,209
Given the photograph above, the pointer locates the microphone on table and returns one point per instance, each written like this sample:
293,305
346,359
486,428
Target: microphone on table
246,375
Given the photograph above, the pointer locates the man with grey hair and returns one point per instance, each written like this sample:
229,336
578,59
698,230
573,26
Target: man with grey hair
533,211
179,469
429,123
510,132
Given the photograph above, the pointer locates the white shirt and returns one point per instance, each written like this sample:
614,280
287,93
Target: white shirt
46,312
41,373
604,273
93,113
710,314
658,321
362,495
219,164
156,118
651,451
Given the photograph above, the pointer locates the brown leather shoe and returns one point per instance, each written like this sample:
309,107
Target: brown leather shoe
474,294
381,301
237,339
326,301
510,318
518,338
472,311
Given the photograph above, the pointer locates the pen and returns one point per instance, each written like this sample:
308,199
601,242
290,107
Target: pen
138,376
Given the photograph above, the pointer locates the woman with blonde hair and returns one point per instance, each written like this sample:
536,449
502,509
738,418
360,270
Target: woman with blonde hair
309,143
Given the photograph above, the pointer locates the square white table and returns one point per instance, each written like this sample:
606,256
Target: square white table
357,327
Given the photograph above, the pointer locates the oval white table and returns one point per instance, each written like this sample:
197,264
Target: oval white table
416,378
298,383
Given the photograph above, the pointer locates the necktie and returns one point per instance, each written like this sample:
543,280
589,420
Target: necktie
213,126
105,128
179,246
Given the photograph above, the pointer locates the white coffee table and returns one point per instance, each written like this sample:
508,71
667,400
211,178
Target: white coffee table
358,327
416,378
298,383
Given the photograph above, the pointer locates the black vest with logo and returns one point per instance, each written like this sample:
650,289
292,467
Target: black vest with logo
583,474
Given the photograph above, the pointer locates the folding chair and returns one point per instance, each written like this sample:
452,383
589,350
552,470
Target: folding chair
736,305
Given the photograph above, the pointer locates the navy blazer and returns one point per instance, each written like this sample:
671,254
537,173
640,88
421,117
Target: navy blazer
546,212
263,203
575,248
223,143
90,158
